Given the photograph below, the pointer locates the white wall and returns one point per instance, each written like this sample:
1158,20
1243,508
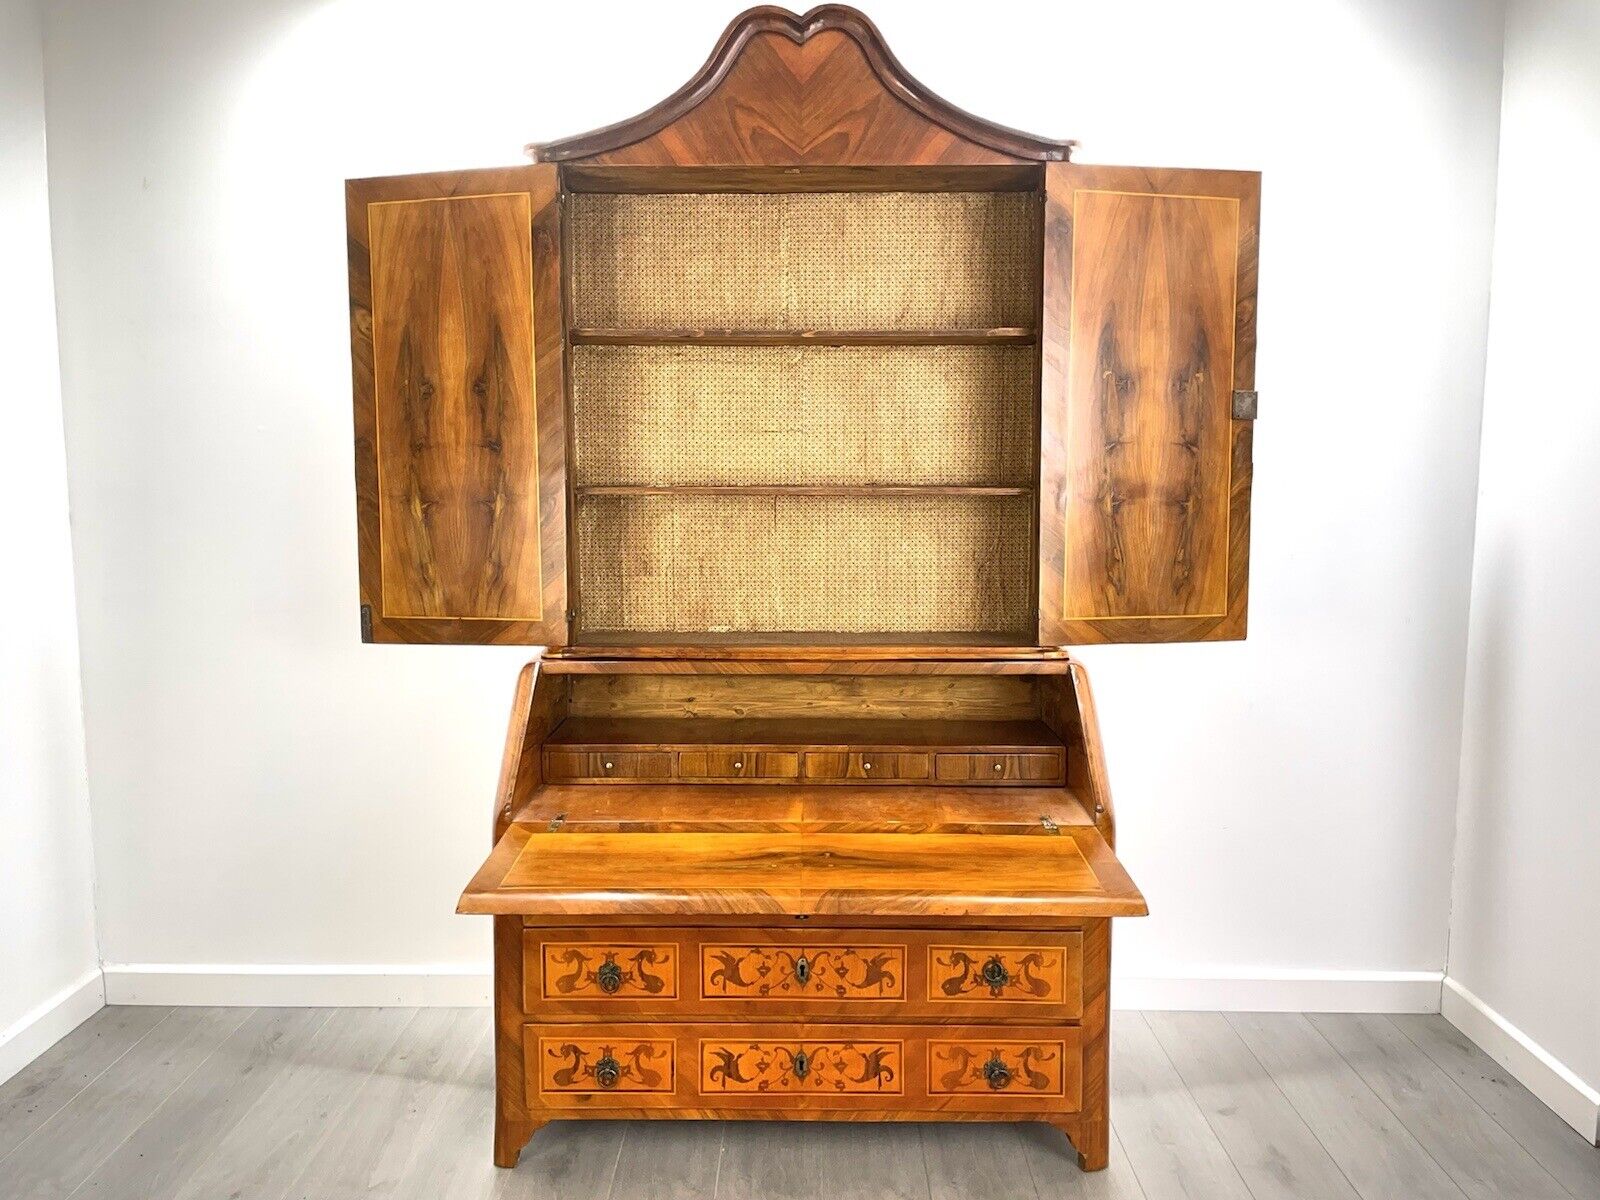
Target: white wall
269,791
1525,936
49,976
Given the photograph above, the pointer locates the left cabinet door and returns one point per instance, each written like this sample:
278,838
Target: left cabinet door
456,342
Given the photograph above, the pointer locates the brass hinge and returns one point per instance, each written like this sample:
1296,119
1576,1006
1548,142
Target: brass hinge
366,622
1049,825
557,821
1244,406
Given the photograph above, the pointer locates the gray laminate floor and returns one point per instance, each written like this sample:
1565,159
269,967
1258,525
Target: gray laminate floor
274,1103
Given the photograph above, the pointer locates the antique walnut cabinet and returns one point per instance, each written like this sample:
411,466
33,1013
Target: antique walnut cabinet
802,419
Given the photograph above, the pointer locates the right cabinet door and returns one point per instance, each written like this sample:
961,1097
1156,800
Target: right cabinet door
1147,390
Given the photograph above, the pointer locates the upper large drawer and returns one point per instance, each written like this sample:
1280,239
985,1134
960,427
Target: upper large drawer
886,974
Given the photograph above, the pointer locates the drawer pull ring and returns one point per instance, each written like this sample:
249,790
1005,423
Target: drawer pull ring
607,1072
995,973
802,1064
802,969
609,977
997,1073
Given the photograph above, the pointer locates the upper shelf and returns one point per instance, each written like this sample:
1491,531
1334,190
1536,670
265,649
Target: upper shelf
1005,335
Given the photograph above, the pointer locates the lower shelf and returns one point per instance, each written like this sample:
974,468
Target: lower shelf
574,1069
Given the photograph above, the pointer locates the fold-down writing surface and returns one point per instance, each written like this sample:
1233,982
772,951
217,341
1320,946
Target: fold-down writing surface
535,871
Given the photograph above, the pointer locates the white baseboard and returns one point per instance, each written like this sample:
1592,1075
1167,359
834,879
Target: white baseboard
364,984
359,985
46,1024
1283,991
1569,1097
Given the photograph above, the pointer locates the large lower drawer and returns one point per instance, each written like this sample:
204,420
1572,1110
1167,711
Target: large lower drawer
884,975
977,1068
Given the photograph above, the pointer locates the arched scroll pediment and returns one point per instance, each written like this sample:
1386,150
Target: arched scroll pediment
815,90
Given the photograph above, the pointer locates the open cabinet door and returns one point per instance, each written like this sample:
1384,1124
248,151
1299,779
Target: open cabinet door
456,342
1148,400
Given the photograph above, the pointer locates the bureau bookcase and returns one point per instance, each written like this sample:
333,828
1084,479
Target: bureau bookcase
802,420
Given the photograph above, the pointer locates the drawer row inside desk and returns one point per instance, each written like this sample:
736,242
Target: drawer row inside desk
730,764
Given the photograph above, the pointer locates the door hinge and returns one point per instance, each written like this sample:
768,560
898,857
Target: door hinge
1244,406
1049,824
366,622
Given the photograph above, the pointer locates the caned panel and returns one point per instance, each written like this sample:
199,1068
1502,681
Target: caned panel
804,415
890,563
457,462
805,260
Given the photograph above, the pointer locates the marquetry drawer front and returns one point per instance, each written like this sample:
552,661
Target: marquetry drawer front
580,766
605,972
1023,1070
572,1063
780,1068
802,973
738,764
866,765
998,768
747,1068
1044,973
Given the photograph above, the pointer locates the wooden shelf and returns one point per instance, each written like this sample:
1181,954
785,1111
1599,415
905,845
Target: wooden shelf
803,489
1009,335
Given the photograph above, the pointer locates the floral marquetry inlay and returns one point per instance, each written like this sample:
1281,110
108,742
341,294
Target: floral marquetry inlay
579,1064
1029,1068
803,972
586,970
801,1067
1026,973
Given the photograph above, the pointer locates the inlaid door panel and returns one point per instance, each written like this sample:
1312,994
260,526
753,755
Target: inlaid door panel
1148,401
456,341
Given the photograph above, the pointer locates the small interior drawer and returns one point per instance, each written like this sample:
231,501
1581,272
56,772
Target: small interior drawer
723,762
576,766
998,768
865,765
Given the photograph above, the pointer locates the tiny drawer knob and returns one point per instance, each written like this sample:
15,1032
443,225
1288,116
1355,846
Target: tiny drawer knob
607,1072
995,973
609,977
738,765
866,766
802,969
997,1073
999,766
802,1064
608,766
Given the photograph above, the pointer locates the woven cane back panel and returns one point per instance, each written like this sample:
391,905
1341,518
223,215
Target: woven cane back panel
803,415
805,260
691,563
